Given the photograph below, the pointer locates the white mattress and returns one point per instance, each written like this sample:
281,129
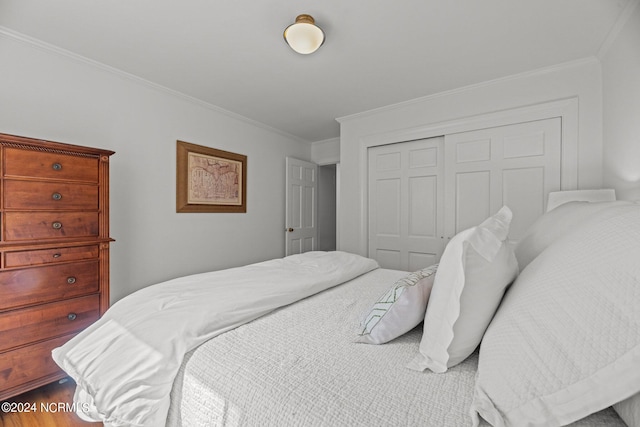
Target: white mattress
300,366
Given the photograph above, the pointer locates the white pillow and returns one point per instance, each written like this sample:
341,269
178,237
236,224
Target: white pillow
565,342
476,267
399,310
554,224
629,410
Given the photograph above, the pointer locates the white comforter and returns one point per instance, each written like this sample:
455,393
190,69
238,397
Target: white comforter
125,363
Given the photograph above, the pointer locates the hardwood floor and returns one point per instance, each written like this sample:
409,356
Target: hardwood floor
47,408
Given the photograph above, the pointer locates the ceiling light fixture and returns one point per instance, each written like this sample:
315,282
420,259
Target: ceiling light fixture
304,36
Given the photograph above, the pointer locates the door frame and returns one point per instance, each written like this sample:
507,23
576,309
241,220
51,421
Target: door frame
565,109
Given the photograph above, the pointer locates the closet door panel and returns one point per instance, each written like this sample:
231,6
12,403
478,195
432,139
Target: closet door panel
515,165
405,204
387,207
423,221
418,260
387,258
472,199
423,207
473,151
523,191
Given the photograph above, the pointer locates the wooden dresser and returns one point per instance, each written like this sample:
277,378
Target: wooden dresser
54,253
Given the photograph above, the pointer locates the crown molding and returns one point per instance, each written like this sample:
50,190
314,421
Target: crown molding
533,73
47,47
617,28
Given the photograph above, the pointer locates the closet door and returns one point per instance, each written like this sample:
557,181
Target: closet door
515,165
406,204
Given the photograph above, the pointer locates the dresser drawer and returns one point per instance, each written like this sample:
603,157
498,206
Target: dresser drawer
28,163
49,283
50,225
28,364
44,195
46,256
20,327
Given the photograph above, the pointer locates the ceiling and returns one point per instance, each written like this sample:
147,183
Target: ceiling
231,53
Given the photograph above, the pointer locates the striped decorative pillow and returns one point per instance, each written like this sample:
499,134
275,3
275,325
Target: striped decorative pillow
399,310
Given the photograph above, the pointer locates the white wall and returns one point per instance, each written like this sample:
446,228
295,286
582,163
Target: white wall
621,95
326,152
580,80
51,96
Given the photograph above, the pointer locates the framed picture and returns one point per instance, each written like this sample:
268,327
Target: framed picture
210,180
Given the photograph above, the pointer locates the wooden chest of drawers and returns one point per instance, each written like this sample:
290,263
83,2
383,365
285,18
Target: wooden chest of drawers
54,253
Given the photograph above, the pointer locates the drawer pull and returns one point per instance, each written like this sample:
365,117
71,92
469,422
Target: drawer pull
56,166
72,316
57,255
56,196
71,280
57,225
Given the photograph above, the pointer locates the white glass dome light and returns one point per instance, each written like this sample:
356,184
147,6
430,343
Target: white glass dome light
304,36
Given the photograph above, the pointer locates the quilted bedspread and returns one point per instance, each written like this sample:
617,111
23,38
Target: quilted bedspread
300,366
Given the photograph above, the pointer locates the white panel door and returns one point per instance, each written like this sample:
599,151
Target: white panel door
301,199
515,165
406,204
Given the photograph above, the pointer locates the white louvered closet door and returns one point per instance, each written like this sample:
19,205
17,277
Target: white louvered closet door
406,203
515,165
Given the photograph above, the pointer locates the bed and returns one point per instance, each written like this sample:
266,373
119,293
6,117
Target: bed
361,345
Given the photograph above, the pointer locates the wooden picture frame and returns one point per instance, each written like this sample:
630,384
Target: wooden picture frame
210,180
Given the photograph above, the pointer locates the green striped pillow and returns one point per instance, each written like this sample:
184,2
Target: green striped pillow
399,310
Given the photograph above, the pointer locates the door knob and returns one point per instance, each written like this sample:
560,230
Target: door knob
290,230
